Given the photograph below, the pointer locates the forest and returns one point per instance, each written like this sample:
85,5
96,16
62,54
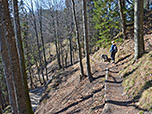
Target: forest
51,63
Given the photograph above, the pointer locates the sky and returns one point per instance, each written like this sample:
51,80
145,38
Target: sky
45,3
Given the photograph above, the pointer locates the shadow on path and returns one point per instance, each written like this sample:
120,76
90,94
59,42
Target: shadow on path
77,102
98,107
121,59
100,76
125,103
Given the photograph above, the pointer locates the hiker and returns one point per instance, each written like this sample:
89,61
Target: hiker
113,51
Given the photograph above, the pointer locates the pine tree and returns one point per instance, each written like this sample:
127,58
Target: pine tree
106,19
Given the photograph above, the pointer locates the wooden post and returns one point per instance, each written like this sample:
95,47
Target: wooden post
106,78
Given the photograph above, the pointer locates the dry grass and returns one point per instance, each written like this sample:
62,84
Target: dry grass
138,80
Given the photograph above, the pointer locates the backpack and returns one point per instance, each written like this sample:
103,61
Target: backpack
115,49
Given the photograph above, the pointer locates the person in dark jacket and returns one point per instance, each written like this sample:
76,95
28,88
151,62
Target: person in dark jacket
113,51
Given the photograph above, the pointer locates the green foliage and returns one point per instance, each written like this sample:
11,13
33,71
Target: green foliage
129,12
107,20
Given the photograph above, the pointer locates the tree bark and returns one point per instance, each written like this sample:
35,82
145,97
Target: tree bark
85,29
138,28
37,39
62,55
14,62
42,39
69,16
6,63
21,53
71,49
57,40
123,17
78,39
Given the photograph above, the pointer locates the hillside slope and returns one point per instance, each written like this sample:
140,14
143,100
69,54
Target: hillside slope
138,77
68,95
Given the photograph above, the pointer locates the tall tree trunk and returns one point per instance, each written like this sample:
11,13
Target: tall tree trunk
14,60
138,28
56,43
28,46
37,67
66,58
57,53
85,28
42,39
62,55
6,63
69,16
57,38
123,17
21,53
78,39
38,44
71,46
71,49
28,58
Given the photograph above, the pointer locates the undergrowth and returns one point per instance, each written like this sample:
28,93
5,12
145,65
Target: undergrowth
138,81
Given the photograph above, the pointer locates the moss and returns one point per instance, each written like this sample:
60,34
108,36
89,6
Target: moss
138,80
141,112
145,101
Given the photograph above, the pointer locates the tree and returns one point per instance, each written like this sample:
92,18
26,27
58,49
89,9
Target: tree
107,20
13,58
69,28
123,17
42,38
78,39
85,28
138,28
37,40
6,63
56,24
21,53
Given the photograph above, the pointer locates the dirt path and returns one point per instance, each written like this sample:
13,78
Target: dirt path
117,102
75,97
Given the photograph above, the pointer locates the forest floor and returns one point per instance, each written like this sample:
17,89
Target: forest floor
117,101
66,94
